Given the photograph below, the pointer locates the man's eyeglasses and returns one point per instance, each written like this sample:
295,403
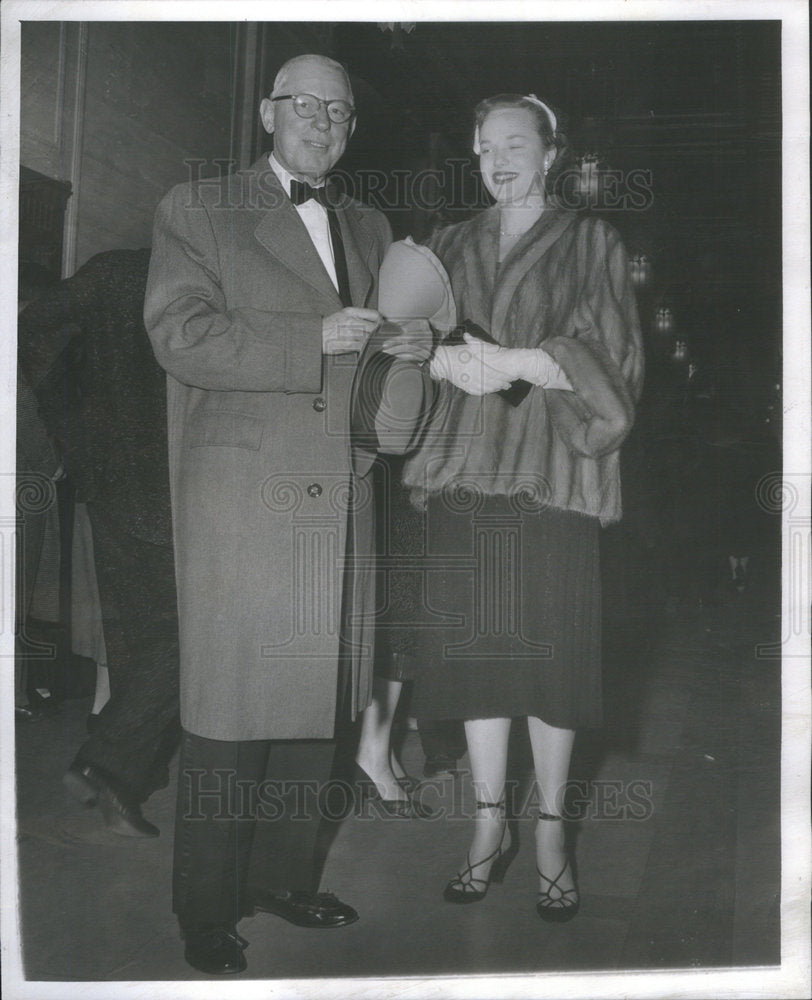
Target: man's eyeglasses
307,106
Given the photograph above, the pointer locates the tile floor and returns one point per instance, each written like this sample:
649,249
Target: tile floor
689,878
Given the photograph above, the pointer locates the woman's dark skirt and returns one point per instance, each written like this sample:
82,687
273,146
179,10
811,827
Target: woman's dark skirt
510,623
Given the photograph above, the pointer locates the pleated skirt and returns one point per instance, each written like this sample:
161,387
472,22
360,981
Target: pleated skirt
510,617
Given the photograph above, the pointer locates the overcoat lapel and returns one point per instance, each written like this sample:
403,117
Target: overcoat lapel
523,257
284,235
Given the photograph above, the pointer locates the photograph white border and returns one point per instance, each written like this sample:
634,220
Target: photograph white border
792,978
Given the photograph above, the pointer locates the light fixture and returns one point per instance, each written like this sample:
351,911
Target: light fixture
399,29
589,176
640,270
680,352
663,319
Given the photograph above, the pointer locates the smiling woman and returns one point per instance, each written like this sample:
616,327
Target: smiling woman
530,481
515,140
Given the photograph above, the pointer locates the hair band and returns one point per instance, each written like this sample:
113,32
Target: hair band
551,118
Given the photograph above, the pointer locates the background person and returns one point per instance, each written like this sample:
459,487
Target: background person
103,399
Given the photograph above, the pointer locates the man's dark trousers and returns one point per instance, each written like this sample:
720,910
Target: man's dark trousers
248,818
138,728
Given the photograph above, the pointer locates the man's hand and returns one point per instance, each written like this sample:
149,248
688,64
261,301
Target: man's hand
348,330
411,340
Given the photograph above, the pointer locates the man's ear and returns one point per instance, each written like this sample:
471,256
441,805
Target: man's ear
267,109
352,126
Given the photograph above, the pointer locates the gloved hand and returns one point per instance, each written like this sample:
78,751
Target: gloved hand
470,366
533,364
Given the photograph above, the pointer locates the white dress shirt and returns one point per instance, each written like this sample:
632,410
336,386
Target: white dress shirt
314,216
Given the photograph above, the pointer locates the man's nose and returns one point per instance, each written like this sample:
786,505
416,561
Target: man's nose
321,120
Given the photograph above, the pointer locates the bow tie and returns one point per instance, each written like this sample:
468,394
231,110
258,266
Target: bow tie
301,191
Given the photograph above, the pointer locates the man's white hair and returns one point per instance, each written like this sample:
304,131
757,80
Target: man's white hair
280,84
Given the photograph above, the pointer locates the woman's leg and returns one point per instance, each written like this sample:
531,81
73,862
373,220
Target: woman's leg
487,752
552,750
376,733
102,695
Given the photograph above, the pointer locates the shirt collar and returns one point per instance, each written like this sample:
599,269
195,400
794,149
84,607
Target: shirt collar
284,177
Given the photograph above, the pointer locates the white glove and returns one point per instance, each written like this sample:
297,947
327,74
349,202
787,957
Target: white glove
534,365
469,367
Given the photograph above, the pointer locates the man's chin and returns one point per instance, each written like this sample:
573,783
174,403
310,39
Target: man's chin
316,163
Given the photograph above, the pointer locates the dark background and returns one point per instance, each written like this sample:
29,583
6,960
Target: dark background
697,104
114,114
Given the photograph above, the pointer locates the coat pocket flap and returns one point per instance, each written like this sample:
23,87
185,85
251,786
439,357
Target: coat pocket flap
228,429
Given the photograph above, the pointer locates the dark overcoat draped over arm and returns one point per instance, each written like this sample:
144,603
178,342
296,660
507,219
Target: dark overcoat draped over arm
101,394
564,287
260,460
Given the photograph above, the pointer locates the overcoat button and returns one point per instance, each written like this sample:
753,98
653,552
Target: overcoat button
319,404
314,490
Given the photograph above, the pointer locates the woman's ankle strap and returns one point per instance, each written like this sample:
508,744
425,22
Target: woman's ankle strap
490,805
543,815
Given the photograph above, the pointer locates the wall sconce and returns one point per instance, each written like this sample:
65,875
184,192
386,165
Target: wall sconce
589,176
640,270
664,320
680,352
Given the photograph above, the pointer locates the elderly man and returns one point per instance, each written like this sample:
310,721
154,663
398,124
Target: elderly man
261,293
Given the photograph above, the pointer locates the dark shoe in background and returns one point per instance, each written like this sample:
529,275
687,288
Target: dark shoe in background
122,814
27,713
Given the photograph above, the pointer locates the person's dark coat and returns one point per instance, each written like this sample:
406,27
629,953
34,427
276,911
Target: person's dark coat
85,353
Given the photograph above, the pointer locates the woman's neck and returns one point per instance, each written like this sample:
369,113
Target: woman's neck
518,218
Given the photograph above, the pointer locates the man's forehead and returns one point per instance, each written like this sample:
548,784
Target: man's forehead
318,78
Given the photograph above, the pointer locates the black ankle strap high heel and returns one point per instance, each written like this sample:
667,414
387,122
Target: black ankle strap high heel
464,888
556,905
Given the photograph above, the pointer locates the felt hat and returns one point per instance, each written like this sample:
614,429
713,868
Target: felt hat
392,398
413,284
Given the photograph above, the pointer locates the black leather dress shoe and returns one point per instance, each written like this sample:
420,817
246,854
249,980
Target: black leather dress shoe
306,909
121,813
216,951
25,713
